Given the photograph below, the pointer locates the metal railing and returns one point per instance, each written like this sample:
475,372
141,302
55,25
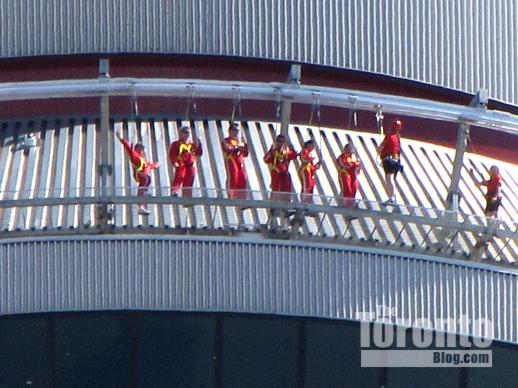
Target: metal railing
323,218
304,94
401,226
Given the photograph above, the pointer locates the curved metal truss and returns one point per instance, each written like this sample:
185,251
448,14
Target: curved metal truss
437,232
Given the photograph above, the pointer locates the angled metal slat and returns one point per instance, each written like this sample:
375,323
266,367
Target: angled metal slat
90,174
147,140
15,173
59,170
31,176
41,214
74,181
120,177
164,172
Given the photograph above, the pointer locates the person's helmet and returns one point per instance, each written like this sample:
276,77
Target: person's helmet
397,125
139,147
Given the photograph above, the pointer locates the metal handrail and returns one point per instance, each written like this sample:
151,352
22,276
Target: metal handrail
444,226
336,97
160,195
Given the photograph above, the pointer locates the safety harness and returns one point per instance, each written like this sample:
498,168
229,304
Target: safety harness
229,155
138,168
278,157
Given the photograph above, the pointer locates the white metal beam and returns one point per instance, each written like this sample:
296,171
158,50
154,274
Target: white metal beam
346,98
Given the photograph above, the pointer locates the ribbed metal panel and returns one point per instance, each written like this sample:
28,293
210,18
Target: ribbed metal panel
208,274
465,45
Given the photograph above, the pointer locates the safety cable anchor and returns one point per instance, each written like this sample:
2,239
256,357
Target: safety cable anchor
133,99
379,113
315,106
278,101
191,92
236,102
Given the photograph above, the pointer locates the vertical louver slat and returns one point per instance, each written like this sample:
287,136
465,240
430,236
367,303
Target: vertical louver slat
164,171
45,179
90,175
74,181
59,170
12,172
147,139
120,177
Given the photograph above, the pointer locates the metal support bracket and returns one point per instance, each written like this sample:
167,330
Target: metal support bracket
479,101
105,169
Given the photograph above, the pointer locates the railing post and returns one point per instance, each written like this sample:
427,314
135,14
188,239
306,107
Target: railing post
293,81
460,148
452,200
285,115
105,167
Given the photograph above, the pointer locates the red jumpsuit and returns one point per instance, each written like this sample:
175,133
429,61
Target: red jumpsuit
141,167
390,153
183,156
307,174
347,174
493,196
279,160
391,145
235,154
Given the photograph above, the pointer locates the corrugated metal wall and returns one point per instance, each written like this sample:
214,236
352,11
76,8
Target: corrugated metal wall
465,45
204,274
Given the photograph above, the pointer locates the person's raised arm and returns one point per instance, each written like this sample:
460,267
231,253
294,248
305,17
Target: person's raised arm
125,143
292,154
268,157
481,182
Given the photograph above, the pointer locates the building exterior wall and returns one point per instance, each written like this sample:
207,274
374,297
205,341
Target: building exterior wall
242,275
463,45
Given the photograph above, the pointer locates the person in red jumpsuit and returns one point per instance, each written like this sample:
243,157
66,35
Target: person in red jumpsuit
182,155
307,171
348,168
493,194
235,152
390,154
278,157
141,169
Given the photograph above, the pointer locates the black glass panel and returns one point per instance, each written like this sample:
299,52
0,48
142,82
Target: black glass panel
502,374
259,353
176,351
24,352
94,351
428,377
333,357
